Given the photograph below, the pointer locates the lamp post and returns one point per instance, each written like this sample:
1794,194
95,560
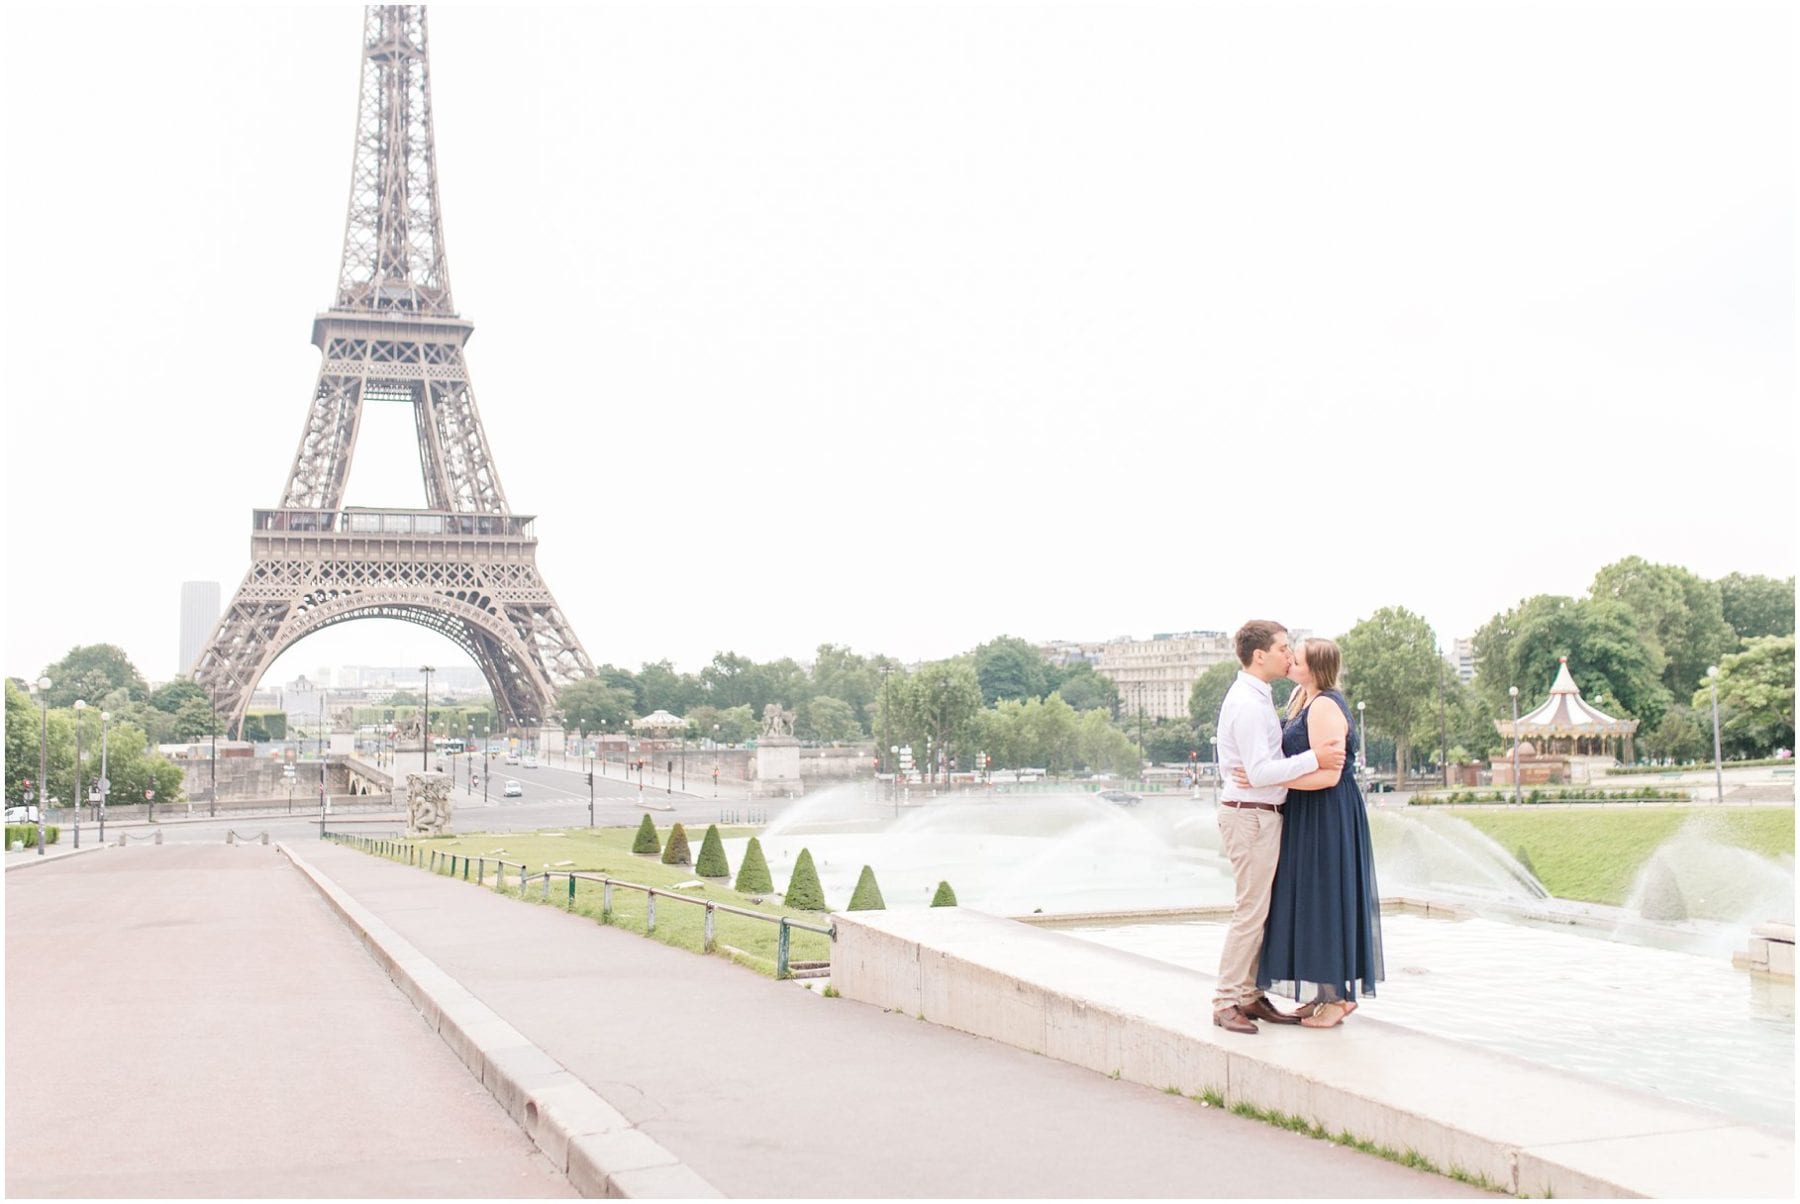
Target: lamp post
1513,693
212,766
425,743
43,692
1712,678
1443,724
105,784
75,803
1215,774
1362,734
715,760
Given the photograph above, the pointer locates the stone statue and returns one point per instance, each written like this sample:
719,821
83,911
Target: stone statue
427,803
777,722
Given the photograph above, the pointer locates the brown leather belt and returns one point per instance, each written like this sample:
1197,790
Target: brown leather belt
1225,802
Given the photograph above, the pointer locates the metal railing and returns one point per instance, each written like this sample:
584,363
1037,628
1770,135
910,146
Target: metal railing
439,861
233,836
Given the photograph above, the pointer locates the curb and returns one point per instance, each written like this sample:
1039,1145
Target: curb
584,1137
52,858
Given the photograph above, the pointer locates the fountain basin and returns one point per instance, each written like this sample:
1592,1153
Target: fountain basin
1526,1128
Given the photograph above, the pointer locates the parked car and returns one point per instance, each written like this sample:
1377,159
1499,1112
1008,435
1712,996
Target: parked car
1380,786
27,814
512,789
1122,797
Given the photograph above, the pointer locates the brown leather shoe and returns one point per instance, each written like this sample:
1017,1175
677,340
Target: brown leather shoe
1233,1020
1262,1009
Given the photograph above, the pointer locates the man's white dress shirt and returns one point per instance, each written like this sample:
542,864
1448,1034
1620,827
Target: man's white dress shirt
1250,736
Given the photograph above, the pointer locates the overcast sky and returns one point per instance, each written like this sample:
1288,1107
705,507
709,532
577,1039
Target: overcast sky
902,326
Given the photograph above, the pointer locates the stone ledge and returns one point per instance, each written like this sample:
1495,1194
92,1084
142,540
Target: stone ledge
1526,1128
585,1137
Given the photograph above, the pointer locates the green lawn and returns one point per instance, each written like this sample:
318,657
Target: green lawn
1594,855
608,851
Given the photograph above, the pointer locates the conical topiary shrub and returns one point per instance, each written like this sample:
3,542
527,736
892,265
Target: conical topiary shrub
712,863
867,895
676,851
646,841
945,897
753,874
804,892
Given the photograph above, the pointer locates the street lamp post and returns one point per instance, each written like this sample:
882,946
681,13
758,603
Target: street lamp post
425,742
75,803
894,782
1362,735
715,760
43,691
212,761
1712,677
1513,693
105,783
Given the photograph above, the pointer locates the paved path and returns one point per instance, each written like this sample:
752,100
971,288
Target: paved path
194,1021
764,1089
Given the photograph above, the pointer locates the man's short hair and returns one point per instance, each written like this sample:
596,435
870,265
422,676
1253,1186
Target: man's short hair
1258,635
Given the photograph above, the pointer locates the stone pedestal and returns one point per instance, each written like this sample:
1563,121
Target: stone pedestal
427,804
777,768
1771,951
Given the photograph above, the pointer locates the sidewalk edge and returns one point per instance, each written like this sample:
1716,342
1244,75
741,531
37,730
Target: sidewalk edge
584,1137
53,858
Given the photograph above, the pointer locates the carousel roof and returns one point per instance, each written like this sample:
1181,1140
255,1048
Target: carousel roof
1566,714
658,720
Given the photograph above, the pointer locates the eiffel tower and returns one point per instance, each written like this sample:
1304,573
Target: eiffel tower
466,565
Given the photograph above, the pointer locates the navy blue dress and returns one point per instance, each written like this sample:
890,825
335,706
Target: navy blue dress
1324,930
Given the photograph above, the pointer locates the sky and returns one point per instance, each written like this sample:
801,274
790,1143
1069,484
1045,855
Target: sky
902,326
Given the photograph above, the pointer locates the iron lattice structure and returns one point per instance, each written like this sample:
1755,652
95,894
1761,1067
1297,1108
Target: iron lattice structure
466,565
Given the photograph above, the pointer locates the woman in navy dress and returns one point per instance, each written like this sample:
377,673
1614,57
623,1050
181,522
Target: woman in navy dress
1323,938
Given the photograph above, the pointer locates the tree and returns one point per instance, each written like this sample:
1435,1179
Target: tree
22,720
727,680
1102,747
1757,606
1083,687
1170,740
1680,613
1391,663
1618,668
660,688
843,674
625,681
945,897
1756,697
196,720
1009,667
1208,695
92,671
1680,737
830,721
940,702
645,841
590,705
782,681
169,697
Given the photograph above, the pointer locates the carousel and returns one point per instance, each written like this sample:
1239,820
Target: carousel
1563,738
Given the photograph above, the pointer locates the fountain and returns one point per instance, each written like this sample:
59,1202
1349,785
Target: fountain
1152,879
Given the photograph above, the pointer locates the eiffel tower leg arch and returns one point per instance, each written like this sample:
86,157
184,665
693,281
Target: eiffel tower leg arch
521,690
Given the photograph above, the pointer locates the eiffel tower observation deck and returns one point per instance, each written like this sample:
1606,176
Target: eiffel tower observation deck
465,565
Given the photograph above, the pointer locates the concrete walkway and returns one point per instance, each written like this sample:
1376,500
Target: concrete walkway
281,1061
194,1021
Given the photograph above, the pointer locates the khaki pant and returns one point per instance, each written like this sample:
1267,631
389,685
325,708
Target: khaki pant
1253,843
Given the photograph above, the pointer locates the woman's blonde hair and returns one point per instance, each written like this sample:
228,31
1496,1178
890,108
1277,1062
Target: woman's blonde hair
1325,661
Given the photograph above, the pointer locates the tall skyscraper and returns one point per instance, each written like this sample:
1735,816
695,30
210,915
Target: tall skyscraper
199,615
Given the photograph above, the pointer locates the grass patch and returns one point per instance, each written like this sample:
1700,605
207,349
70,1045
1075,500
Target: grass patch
1594,856
607,851
1407,1158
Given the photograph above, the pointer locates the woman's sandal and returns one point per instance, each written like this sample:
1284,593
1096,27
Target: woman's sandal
1323,1017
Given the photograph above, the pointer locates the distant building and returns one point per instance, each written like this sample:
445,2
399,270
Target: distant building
1155,676
199,615
1462,655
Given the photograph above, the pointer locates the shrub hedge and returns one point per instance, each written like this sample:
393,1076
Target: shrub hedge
676,851
28,834
1575,794
753,874
867,895
945,897
712,863
646,841
804,893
